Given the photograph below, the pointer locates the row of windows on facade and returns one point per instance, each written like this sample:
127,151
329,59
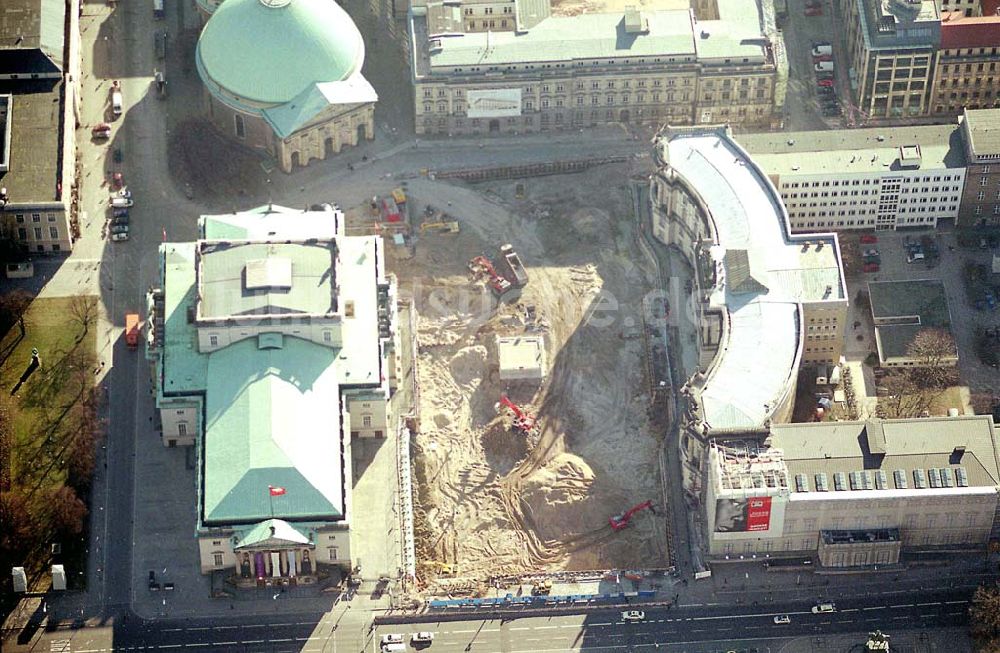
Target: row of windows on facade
902,62
962,82
22,233
677,112
35,217
799,207
866,182
470,11
819,350
595,100
855,193
812,224
458,70
910,520
611,84
957,52
805,544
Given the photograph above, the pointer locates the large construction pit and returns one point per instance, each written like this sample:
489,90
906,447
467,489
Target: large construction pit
491,501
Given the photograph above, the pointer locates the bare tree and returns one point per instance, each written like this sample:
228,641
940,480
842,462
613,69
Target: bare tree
13,306
83,311
67,510
984,617
17,533
7,414
911,391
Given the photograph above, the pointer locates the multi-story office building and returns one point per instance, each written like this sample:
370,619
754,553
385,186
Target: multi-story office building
892,46
967,74
981,139
758,288
37,127
570,71
854,494
883,178
274,343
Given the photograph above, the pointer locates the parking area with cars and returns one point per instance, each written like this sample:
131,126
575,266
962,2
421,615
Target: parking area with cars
965,270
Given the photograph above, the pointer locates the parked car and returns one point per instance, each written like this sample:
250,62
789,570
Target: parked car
824,74
633,615
422,637
118,237
822,57
782,619
869,238
824,607
825,82
392,638
871,267
103,130
119,202
119,212
119,228
117,181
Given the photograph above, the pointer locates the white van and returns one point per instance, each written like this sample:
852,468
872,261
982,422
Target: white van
824,67
822,48
395,647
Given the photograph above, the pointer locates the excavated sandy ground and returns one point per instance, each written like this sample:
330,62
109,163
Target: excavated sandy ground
496,503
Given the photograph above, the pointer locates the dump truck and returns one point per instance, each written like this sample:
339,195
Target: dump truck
390,210
511,267
132,330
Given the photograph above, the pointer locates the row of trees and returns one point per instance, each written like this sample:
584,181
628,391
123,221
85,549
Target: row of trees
48,438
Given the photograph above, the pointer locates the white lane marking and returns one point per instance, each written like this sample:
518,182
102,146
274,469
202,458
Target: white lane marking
877,607
224,643
520,628
545,627
254,641
850,610
902,605
458,632
955,602
926,604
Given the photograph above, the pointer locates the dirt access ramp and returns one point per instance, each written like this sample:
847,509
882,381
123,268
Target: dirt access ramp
492,503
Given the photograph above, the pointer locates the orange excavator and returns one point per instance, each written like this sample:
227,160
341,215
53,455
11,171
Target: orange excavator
620,522
523,422
482,265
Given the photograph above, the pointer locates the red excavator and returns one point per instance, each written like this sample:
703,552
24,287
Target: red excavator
523,422
480,266
619,522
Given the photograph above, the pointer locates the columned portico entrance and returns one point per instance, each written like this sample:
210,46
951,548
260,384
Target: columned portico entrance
275,553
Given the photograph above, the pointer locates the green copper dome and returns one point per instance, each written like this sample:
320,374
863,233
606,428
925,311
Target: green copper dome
269,51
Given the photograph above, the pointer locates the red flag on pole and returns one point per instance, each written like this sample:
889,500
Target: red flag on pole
276,491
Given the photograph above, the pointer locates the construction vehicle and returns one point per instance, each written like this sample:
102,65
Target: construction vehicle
620,522
399,196
441,226
481,266
542,588
132,330
523,422
511,264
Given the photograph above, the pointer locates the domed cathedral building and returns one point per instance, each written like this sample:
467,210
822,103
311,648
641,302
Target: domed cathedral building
284,76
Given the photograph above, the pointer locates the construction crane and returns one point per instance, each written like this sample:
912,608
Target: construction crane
619,522
481,265
523,422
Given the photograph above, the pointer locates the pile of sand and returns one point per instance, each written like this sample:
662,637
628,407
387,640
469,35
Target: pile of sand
468,366
558,498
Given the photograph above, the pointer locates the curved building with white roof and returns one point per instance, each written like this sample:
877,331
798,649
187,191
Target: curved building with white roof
767,302
284,76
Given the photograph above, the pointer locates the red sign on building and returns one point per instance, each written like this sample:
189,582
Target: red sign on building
759,514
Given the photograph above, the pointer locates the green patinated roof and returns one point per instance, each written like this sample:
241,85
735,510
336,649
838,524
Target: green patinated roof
228,287
270,51
272,418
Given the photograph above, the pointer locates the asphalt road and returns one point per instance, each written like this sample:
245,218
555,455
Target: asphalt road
699,627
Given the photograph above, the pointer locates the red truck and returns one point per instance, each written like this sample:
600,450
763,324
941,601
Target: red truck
132,330
390,210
